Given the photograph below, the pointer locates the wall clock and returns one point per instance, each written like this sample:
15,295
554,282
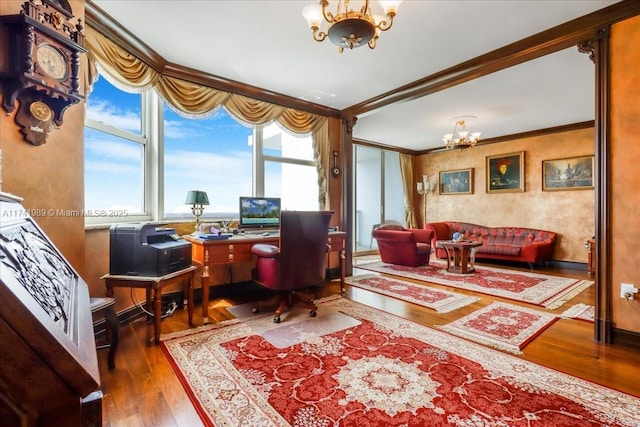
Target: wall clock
42,73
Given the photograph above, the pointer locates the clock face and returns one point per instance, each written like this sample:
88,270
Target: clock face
51,61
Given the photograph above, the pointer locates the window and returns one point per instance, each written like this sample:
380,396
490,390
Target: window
115,151
212,155
137,172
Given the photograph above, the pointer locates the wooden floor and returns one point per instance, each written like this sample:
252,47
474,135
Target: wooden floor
144,391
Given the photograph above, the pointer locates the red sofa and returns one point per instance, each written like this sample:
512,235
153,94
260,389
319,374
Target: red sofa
404,246
498,243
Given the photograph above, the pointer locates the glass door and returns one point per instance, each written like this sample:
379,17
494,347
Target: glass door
378,193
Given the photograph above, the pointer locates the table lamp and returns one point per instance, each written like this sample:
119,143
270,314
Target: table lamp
197,199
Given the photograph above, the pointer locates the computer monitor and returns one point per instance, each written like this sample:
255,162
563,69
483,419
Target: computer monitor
259,212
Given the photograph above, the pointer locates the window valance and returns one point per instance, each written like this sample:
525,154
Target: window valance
195,100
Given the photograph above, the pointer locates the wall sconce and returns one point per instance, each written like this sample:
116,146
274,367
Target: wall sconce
425,187
198,200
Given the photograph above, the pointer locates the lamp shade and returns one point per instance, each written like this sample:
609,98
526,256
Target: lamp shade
196,197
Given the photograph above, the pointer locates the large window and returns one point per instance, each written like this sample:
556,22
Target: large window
115,148
141,158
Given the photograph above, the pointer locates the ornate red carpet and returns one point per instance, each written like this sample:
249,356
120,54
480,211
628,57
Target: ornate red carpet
539,289
385,371
437,299
503,326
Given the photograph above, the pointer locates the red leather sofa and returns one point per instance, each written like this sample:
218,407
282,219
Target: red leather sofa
404,246
498,243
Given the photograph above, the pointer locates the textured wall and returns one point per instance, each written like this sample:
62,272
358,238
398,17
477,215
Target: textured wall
568,213
49,177
624,172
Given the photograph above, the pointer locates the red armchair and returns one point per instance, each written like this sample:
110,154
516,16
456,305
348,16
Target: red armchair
299,263
404,246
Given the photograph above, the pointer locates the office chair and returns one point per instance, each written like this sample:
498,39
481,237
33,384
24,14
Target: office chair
297,264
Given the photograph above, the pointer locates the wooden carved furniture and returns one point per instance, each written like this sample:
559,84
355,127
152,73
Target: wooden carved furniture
590,246
155,284
460,256
237,249
49,374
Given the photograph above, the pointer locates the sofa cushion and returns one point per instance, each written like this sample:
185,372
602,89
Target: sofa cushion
510,250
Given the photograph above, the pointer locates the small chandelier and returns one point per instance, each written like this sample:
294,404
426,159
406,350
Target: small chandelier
464,139
348,27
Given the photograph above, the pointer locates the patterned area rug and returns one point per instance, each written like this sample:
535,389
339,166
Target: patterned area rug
436,299
547,291
386,371
502,326
581,312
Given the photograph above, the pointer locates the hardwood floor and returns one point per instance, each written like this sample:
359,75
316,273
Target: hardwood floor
143,390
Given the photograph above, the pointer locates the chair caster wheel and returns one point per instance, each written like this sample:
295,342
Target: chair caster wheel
255,310
276,319
312,313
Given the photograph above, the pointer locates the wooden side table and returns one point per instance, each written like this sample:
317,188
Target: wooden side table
459,260
103,307
156,284
590,246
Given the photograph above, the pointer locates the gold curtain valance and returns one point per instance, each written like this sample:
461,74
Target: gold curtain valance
195,100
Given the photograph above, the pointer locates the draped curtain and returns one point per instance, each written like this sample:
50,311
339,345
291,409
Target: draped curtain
406,170
195,100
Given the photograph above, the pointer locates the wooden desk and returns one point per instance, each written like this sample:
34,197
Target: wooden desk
237,249
458,259
156,284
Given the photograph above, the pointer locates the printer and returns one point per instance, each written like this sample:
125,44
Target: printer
143,249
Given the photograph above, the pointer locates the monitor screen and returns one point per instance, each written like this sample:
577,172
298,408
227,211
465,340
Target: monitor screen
259,212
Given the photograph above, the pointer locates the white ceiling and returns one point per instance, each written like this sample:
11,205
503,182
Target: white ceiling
267,44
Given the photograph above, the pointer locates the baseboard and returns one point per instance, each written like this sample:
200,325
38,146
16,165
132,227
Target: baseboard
629,339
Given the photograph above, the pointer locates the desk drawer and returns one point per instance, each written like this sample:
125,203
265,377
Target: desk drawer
228,258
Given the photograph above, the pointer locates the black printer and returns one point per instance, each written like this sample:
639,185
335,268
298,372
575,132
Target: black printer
143,249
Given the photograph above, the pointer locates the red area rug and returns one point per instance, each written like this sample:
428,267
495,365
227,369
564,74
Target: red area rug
385,371
436,299
533,288
502,326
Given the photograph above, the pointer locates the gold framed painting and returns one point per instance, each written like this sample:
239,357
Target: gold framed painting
505,173
571,173
456,182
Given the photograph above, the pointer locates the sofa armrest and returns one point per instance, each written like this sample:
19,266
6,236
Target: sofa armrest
537,252
440,230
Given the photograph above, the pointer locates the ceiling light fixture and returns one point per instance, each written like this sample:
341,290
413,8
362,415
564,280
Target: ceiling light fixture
464,138
348,27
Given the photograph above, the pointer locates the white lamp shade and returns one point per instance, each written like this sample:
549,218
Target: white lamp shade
313,14
420,187
390,6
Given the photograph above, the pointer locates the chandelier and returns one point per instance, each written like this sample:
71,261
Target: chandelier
347,27
464,139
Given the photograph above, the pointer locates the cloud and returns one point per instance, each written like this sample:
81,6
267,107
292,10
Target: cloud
106,112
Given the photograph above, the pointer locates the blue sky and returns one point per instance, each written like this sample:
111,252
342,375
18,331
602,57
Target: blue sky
212,154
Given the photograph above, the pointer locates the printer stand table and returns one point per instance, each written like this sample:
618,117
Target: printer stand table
156,284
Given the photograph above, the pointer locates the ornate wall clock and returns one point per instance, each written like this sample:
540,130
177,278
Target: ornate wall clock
42,72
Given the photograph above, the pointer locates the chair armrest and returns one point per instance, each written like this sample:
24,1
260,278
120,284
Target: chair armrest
265,250
422,235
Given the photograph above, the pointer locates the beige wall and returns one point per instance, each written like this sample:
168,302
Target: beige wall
568,213
624,172
49,176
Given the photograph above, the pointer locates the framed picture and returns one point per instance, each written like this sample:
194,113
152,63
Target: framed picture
571,173
456,182
505,173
